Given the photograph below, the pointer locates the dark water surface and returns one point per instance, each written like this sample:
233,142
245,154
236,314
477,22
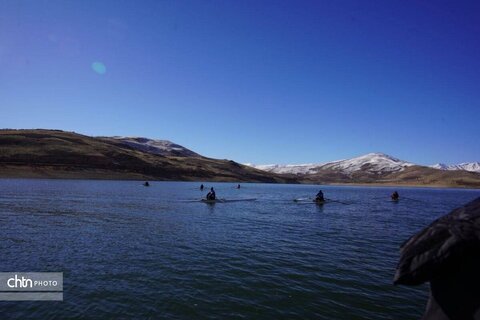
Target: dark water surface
129,251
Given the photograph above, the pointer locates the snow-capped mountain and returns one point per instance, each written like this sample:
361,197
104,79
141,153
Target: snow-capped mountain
467,166
161,147
372,163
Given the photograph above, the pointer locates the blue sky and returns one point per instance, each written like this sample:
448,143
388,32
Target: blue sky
253,81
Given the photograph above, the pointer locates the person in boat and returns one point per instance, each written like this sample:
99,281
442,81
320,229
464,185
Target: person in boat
319,197
238,186
395,196
211,195
201,187
146,184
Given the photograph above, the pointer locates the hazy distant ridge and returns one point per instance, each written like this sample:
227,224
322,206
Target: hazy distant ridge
466,166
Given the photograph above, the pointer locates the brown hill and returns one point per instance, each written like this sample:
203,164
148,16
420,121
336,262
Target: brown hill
410,176
59,154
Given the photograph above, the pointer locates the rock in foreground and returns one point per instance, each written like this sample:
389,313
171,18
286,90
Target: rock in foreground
446,254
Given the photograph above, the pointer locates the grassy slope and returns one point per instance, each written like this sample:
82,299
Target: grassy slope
411,176
59,154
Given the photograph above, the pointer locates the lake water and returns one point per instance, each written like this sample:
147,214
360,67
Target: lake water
129,251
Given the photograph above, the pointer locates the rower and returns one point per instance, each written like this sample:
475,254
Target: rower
201,186
395,196
319,197
211,194
146,184
238,186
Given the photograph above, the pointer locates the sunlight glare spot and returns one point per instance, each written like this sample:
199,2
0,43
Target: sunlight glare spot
99,67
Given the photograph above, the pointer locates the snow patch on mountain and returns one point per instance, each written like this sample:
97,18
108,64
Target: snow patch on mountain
160,147
466,166
298,169
439,166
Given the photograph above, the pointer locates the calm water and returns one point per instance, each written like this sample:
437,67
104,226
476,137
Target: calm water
133,252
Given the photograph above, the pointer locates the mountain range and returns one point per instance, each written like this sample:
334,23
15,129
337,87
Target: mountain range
372,162
467,166
42,153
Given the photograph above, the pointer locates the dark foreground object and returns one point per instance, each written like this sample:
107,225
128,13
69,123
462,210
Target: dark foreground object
446,254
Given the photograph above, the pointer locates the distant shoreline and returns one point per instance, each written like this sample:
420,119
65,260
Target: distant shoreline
21,172
379,184
103,175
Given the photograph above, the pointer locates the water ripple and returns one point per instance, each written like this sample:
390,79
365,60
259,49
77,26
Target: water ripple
133,252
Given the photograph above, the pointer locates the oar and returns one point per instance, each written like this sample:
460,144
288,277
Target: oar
331,200
411,199
302,199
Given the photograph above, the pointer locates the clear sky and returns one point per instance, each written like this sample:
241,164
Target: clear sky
254,81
